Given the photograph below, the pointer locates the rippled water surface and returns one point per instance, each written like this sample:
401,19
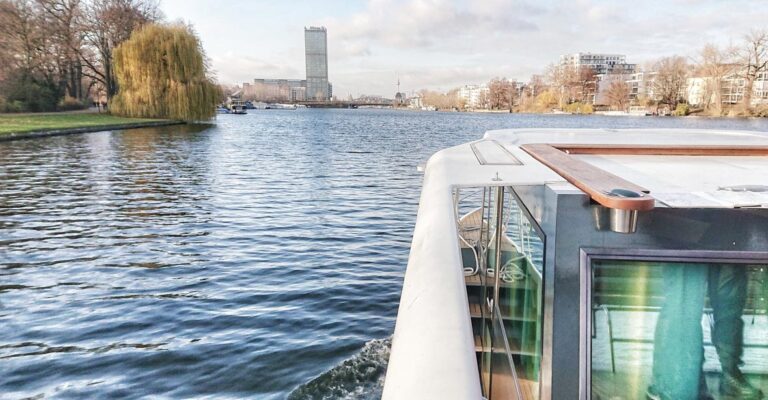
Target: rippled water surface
241,259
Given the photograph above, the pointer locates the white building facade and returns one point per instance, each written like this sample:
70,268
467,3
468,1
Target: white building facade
600,63
475,96
732,89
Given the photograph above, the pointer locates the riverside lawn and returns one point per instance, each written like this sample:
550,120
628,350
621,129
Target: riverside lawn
22,123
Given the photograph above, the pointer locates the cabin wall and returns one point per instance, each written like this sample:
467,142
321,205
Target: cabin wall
572,225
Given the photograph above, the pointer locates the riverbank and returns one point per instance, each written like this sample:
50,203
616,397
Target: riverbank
20,126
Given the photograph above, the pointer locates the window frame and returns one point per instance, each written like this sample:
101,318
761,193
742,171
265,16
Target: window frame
589,254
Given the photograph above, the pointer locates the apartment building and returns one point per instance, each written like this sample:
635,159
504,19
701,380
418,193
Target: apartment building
732,89
600,63
275,90
475,96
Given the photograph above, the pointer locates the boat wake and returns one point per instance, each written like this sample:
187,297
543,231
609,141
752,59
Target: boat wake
359,377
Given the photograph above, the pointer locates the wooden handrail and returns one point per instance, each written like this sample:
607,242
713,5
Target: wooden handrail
662,150
599,183
602,186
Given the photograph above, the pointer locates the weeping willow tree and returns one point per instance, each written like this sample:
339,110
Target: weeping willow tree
161,73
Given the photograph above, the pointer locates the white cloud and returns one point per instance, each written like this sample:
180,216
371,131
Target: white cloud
236,68
445,43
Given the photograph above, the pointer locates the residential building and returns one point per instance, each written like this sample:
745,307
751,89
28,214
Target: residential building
641,85
275,90
699,90
316,56
415,102
475,96
760,89
732,88
604,85
600,63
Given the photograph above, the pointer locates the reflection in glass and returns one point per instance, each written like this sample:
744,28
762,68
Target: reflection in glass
506,266
520,291
678,330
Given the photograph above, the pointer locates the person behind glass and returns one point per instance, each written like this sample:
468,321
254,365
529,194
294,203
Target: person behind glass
678,355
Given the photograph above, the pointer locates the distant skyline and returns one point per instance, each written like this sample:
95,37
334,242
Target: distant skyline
442,44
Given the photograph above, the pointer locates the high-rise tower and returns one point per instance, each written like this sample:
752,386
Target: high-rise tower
316,52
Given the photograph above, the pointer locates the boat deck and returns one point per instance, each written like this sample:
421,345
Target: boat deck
607,385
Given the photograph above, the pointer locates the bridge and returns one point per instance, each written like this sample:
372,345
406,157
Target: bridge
344,104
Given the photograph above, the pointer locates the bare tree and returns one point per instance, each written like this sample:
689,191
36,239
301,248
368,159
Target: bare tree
501,93
434,99
530,90
63,20
713,65
483,101
618,95
31,68
753,57
566,81
48,47
22,35
455,101
670,81
111,22
586,83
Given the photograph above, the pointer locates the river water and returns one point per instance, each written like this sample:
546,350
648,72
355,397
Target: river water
254,257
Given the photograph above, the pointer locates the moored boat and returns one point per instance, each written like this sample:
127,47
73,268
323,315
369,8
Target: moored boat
237,106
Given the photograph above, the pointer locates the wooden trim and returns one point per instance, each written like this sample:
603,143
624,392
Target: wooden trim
663,150
596,182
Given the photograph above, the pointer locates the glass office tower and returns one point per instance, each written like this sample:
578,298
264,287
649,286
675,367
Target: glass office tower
316,50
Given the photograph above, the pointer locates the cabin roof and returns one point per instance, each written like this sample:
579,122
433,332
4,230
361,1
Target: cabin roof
679,181
518,137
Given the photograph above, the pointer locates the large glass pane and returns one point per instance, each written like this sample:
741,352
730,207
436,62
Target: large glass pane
504,383
666,330
473,208
504,301
520,295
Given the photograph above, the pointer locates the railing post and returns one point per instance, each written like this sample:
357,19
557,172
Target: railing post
499,235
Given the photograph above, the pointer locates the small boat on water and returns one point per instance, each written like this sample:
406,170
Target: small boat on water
588,264
236,106
639,111
277,106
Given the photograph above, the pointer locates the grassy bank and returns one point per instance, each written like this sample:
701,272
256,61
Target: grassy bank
21,123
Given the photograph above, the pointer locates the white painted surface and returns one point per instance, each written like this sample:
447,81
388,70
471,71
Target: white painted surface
691,181
433,350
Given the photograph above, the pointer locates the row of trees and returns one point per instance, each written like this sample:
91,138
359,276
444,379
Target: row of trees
501,95
60,53
665,83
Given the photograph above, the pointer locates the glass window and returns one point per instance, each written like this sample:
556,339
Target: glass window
668,330
503,258
520,294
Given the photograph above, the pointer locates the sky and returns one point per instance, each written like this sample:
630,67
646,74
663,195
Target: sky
443,44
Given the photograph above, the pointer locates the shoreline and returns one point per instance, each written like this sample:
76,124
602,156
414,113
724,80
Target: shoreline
6,137
693,114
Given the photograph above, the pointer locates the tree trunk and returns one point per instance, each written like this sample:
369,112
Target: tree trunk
749,83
